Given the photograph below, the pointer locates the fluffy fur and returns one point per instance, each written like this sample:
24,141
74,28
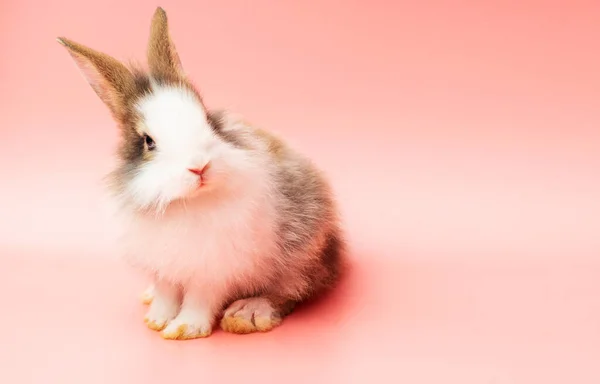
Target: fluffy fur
223,215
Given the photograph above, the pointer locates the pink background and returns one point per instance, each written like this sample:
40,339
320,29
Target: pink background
462,138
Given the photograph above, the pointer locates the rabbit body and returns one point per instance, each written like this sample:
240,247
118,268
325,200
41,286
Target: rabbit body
228,220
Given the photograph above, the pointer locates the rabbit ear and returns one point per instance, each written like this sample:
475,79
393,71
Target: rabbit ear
110,79
163,59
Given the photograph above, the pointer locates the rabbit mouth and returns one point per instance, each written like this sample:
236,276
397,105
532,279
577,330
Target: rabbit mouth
201,183
199,187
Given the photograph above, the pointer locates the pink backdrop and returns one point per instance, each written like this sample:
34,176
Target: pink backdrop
462,138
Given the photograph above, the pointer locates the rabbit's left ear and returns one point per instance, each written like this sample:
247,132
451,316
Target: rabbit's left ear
109,78
163,59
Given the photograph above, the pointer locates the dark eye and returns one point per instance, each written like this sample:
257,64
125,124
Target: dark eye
150,144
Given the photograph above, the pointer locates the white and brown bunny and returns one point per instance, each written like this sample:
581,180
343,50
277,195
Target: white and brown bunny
229,221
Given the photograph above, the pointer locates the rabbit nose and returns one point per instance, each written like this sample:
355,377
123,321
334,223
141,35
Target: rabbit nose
199,171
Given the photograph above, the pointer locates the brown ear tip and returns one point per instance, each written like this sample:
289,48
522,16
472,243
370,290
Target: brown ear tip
65,42
160,12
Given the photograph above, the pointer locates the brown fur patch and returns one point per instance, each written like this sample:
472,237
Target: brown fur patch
111,80
274,144
163,58
219,121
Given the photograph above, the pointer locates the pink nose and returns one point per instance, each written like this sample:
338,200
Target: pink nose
198,171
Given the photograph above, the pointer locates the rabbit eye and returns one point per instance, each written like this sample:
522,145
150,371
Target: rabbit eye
150,144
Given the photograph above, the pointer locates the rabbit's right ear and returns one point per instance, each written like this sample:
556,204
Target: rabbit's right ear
110,79
163,59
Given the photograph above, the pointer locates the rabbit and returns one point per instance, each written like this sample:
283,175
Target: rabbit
233,226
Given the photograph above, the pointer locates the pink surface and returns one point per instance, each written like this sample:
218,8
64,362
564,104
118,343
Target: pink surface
463,141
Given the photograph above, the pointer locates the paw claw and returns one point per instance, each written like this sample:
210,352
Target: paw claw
160,314
184,332
146,299
174,334
155,325
250,315
147,296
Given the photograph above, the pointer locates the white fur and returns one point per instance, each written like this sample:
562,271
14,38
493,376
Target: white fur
184,140
165,306
206,238
196,316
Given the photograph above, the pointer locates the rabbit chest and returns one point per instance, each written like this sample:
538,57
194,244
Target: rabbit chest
208,242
